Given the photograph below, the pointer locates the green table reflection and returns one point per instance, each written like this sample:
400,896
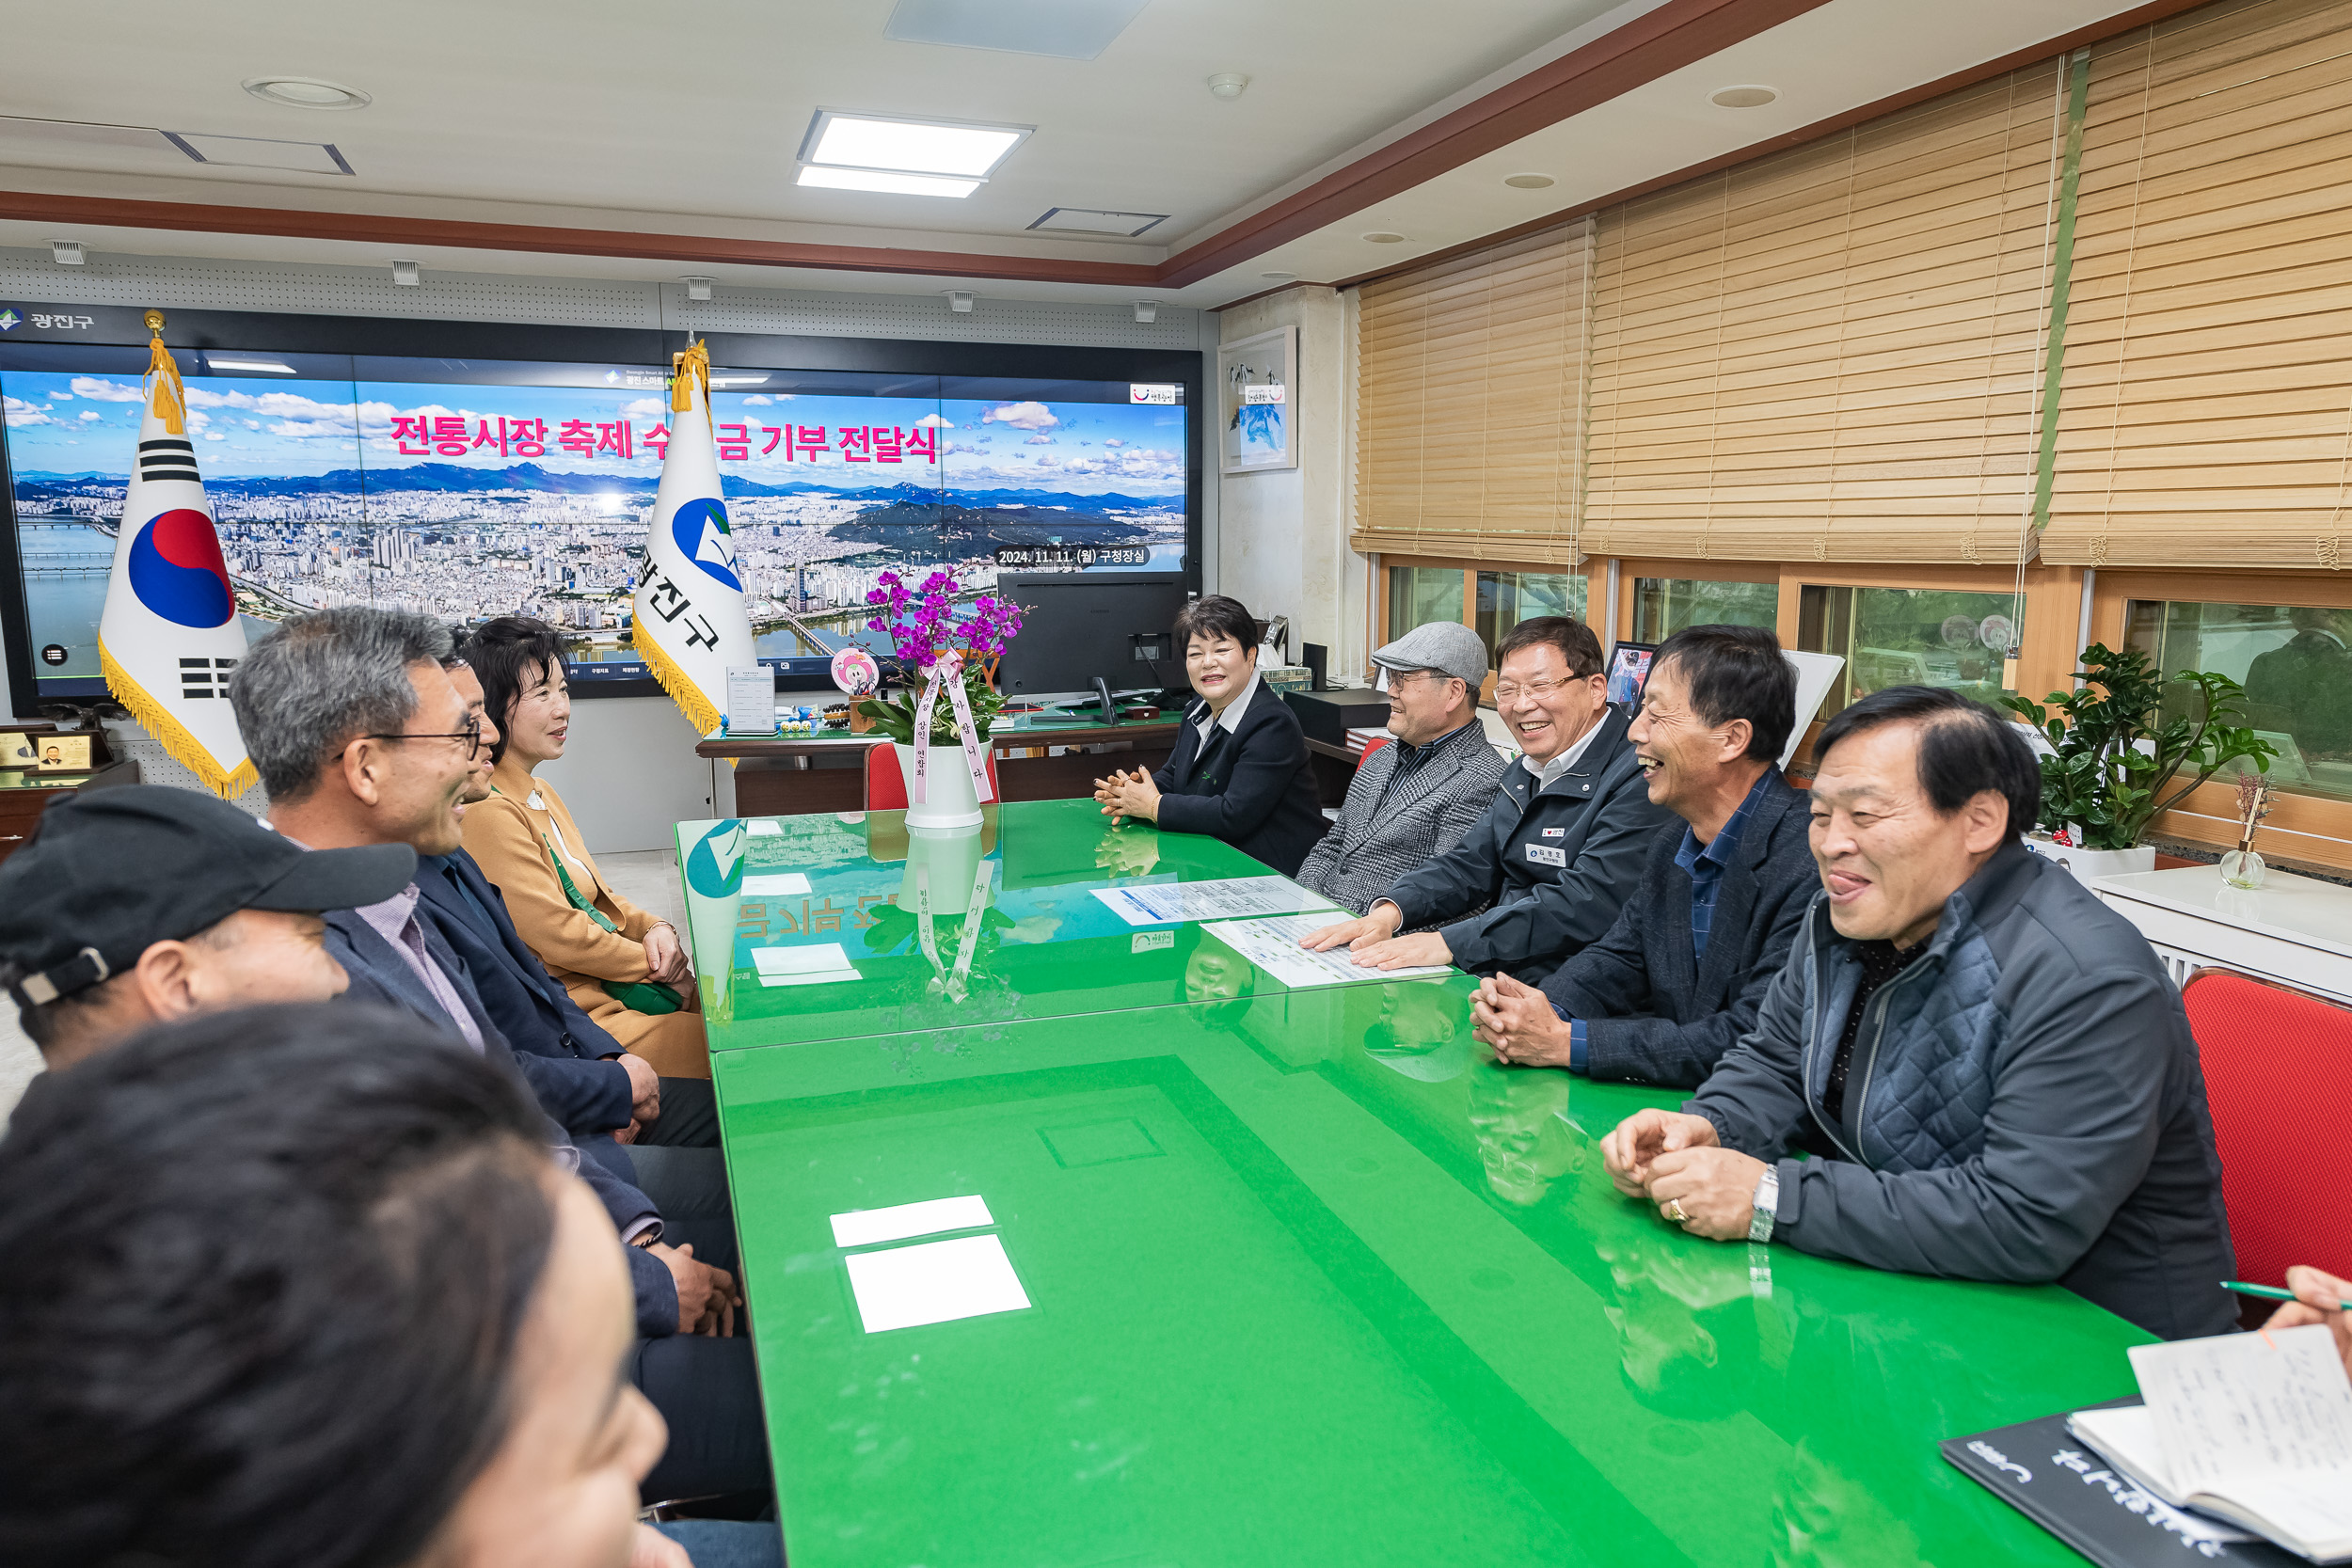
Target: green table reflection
849,954
1311,1282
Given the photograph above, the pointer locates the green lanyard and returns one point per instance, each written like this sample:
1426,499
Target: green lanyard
650,997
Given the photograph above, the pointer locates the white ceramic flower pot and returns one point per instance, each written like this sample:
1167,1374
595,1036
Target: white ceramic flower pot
952,804
2089,866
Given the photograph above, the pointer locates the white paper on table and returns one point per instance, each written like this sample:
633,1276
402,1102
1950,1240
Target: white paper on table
765,827
1225,898
865,1226
935,1282
775,884
1272,944
817,964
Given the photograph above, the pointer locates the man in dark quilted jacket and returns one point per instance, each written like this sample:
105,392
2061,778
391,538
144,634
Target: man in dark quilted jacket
1989,1068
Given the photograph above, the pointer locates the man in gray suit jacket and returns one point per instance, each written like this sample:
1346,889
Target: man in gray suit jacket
1413,799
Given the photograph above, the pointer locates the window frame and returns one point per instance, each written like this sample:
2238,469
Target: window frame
1594,572
2305,827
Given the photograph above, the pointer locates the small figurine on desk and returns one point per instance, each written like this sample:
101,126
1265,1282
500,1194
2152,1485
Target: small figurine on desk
2241,866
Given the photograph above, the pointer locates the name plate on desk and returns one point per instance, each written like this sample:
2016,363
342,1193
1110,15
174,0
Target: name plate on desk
751,700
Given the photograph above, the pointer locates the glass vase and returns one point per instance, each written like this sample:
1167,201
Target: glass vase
2242,868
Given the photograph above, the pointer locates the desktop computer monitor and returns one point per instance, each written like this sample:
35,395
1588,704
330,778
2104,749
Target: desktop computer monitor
1078,625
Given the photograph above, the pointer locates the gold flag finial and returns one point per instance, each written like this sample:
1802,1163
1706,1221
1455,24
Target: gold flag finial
691,364
162,383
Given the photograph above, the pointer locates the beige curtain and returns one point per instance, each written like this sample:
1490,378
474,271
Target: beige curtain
1469,403
1833,354
2207,411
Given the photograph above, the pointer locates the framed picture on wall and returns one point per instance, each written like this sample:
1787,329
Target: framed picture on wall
1256,406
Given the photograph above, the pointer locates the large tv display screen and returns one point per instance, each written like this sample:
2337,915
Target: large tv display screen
472,489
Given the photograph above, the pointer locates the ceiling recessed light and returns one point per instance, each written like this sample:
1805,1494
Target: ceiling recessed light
1278,276
306,92
1228,85
880,180
1385,236
908,146
1529,182
1745,97
269,365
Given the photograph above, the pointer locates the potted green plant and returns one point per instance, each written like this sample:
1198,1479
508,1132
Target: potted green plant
2116,761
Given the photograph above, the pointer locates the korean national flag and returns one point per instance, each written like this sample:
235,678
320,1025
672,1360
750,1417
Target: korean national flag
170,635
687,610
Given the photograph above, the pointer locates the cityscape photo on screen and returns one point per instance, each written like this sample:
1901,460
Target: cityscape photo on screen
467,489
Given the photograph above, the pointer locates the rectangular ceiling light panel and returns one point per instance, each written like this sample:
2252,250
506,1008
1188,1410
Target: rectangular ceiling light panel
1066,29
306,157
909,146
1088,220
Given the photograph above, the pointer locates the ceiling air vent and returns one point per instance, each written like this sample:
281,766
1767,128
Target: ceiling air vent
306,157
1088,220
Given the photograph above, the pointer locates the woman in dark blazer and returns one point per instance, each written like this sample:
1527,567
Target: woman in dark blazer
1240,769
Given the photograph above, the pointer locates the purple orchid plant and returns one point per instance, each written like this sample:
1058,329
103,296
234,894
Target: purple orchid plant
924,625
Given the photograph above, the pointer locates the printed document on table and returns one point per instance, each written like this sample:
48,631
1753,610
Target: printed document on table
1272,944
1226,898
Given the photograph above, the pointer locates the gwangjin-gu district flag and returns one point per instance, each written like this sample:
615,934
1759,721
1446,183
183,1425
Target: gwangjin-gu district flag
169,634
688,609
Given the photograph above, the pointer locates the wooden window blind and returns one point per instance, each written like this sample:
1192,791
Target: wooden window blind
1469,403
2207,411
1833,354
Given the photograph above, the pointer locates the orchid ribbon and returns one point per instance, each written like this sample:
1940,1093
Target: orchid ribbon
947,672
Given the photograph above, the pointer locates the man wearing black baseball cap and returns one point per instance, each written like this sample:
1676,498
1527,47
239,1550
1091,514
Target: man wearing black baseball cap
139,904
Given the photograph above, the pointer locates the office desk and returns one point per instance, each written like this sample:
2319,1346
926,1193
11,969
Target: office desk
781,775
1311,1284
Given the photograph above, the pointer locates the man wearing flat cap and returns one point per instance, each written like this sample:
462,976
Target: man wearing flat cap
1415,797
141,904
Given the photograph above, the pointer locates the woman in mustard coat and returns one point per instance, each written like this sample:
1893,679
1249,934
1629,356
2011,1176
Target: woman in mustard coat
626,969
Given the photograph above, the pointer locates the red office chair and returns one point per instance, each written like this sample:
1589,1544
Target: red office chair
2278,1075
886,787
1372,746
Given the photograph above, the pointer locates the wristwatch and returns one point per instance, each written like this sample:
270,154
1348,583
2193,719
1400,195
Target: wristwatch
1766,1204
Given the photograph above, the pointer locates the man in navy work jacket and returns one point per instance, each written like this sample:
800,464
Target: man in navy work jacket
1240,771
1546,870
1989,1064
1678,978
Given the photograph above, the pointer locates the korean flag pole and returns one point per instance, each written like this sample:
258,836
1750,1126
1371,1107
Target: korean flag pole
170,635
687,610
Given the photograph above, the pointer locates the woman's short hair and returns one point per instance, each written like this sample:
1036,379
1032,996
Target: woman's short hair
266,1273
1572,637
1213,616
507,654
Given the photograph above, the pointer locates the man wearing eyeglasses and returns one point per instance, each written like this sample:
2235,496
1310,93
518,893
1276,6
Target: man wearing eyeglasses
1558,850
361,737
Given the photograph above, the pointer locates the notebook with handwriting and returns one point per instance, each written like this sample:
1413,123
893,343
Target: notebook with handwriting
2252,1428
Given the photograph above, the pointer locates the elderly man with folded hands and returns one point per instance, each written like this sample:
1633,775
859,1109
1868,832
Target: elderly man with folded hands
1989,1067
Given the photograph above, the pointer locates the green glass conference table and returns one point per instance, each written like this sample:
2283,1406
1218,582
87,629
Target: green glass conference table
1213,1270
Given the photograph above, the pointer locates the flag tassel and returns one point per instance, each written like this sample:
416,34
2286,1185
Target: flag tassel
183,747
699,710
